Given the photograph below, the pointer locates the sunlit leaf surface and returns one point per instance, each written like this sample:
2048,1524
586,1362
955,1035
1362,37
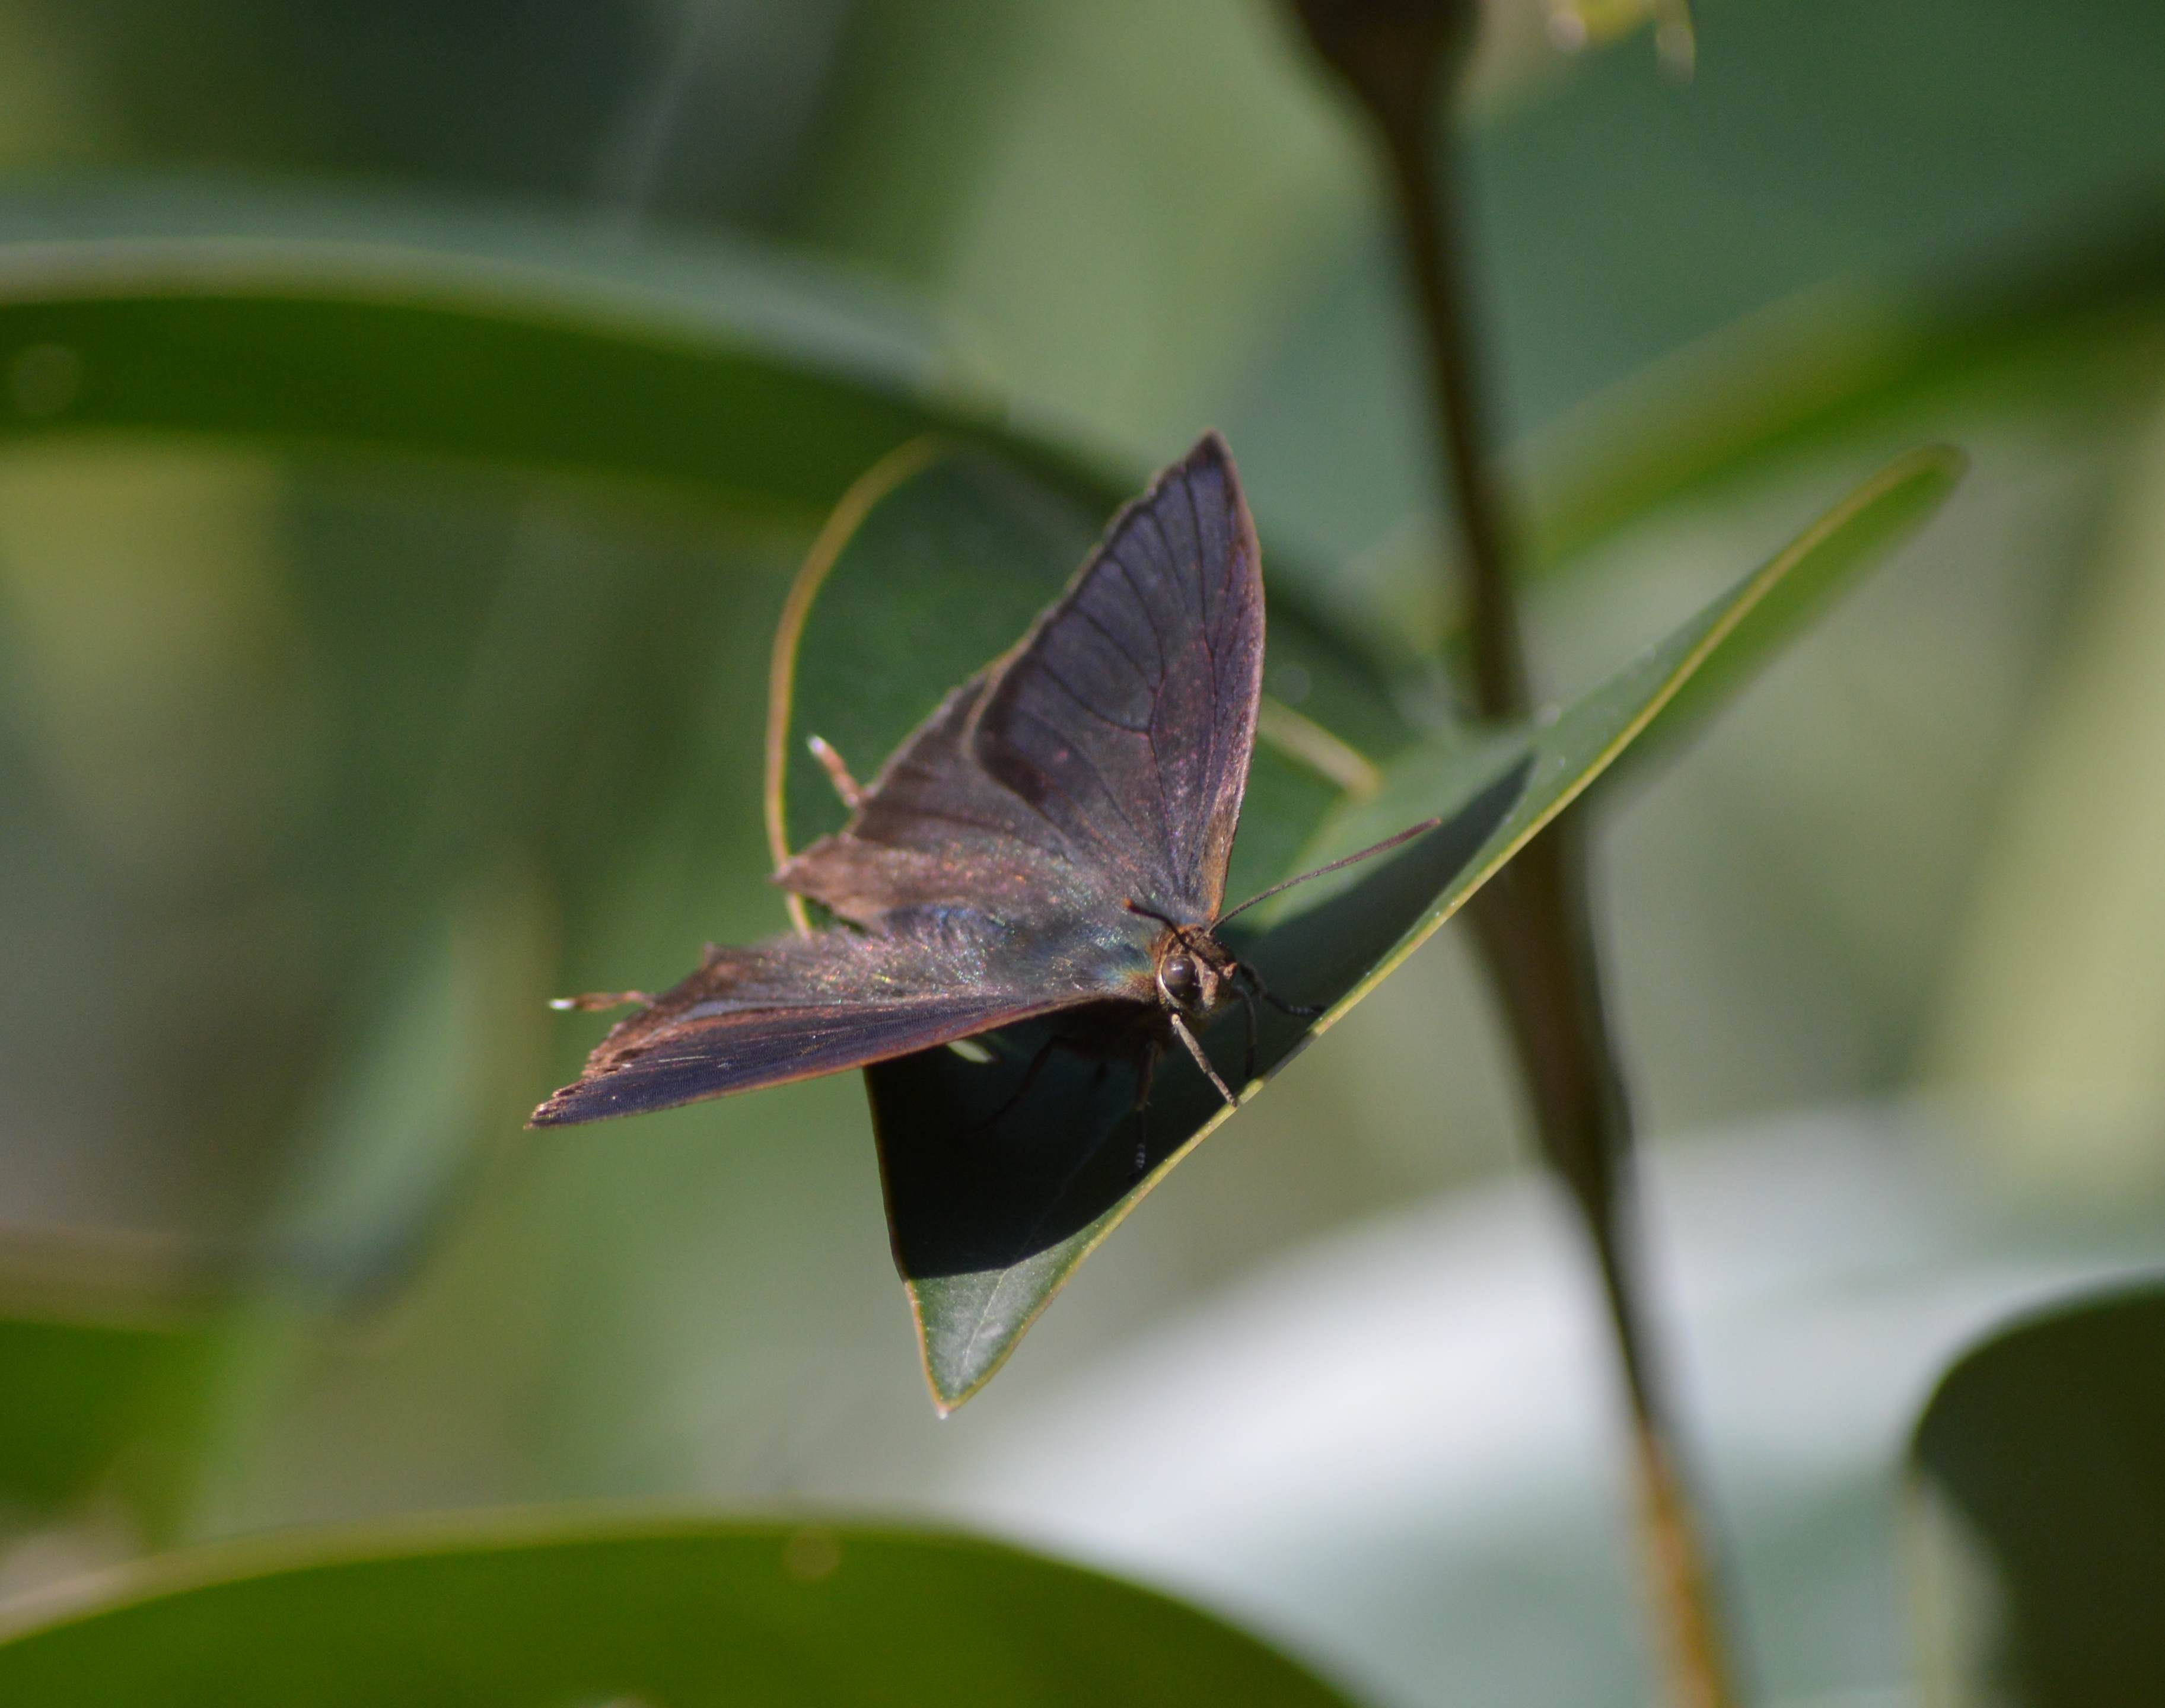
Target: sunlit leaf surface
991,1207
668,1613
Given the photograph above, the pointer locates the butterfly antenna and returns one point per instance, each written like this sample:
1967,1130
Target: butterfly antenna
1389,841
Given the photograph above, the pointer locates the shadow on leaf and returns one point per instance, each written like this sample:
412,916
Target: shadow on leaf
992,1199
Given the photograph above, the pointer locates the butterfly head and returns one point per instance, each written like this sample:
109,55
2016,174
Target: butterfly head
1194,972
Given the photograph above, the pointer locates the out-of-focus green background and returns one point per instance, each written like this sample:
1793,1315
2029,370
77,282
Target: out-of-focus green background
296,745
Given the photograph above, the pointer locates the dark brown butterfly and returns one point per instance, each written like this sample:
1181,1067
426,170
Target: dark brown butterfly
1053,841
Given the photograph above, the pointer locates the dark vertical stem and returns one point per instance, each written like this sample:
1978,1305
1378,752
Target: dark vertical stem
1534,926
1531,921
1426,203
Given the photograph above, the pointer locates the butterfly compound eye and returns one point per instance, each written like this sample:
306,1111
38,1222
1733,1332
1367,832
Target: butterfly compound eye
1178,977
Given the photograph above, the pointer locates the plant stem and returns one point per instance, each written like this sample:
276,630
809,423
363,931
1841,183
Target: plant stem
1534,925
1427,202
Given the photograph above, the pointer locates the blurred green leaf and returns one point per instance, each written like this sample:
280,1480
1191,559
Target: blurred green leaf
667,1612
987,1229
2039,1519
376,352
1852,545
2050,1008
759,378
99,1407
1836,369
391,1154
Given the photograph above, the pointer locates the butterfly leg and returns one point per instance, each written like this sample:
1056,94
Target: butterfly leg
1008,1105
1146,1072
1299,1011
1194,1045
594,1001
1248,1006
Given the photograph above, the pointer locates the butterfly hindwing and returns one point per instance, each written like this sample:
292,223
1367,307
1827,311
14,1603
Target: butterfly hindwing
934,830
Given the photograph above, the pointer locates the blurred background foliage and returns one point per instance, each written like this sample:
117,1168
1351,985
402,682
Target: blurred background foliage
327,756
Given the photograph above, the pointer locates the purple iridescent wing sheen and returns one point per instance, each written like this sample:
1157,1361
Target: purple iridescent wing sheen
796,1008
1103,758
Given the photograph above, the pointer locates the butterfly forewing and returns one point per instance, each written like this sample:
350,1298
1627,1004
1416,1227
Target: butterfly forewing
1127,716
1103,758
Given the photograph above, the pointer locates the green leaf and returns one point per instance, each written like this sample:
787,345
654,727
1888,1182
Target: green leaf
764,382
2039,1516
669,1612
389,1154
990,1212
108,1406
1919,483
2078,328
